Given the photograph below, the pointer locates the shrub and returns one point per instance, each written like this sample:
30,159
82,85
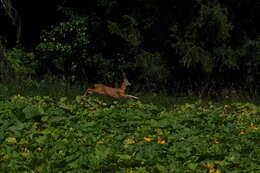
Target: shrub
17,63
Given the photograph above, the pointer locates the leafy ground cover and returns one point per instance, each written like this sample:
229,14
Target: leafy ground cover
43,135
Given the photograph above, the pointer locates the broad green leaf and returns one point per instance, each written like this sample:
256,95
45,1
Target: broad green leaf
11,140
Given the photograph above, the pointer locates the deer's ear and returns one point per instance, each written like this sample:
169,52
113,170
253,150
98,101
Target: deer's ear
124,75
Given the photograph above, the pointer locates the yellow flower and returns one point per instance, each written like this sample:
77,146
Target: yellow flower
161,141
212,170
242,133
218,171
208,165
148,139
253,127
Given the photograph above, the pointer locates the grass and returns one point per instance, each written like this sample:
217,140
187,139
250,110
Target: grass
57,88
53,88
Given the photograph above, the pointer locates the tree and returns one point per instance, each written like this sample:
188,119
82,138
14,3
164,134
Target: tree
13,14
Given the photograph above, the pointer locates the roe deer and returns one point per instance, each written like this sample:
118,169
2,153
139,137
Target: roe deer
109,91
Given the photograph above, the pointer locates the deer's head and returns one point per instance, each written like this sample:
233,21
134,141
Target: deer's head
126,82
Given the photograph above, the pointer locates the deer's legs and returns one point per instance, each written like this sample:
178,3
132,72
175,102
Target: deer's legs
88,91
130,96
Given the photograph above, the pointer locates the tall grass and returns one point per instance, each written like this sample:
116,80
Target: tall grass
57,88
54,88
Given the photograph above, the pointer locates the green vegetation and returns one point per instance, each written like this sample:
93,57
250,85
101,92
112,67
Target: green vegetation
171,46
54,88
40,134
195,65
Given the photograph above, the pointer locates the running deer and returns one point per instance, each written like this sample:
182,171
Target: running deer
109,91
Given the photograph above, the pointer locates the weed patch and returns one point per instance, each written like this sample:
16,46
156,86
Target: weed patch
40,134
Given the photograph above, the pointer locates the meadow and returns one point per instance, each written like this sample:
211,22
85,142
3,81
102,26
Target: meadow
45,134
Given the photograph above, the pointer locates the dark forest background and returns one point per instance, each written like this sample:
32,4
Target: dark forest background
203,47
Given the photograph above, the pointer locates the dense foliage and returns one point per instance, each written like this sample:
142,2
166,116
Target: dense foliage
180,47
171,45
39,134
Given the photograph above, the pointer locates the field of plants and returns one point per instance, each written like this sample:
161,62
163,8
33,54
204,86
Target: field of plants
45,135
